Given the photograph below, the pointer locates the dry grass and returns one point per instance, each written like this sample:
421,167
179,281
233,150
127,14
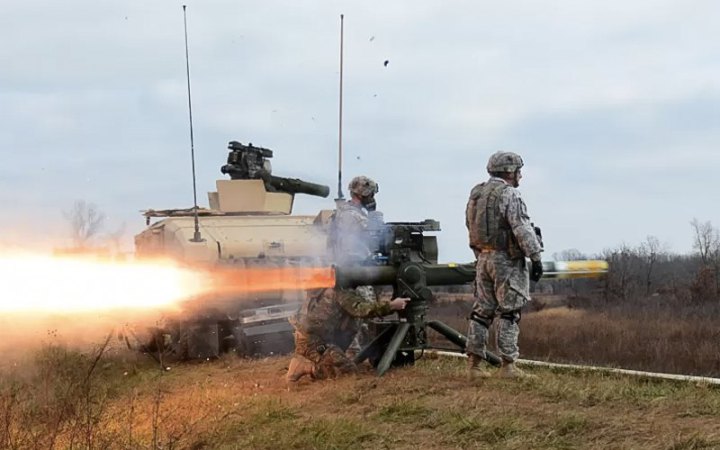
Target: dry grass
651,334
655,342
107,397
238,404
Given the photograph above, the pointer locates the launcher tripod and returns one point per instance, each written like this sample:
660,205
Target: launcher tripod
397,340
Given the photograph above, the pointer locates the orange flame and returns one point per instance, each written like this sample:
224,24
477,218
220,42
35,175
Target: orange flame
60,284
257,279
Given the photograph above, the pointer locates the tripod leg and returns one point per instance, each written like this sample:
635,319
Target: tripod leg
374,346
451,334
392,348
460,340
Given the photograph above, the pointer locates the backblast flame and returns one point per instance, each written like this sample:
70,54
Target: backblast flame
256,279
59,284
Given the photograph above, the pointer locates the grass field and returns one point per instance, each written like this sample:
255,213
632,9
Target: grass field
127,402
54,397
646,334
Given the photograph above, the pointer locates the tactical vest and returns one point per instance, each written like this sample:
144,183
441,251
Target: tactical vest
488,228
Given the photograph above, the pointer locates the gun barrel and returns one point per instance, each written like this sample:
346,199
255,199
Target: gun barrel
454,274
296,185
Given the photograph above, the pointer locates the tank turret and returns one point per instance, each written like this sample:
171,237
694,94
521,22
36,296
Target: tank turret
249,217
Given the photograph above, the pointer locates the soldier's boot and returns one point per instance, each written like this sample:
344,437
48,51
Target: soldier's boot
476,368
510,370
298,368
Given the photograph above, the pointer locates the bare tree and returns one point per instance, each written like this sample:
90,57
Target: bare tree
86,221
625,275
571,254
705,238
650,250
715,260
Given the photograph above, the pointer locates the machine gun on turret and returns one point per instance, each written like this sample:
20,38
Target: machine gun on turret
406,259
246,162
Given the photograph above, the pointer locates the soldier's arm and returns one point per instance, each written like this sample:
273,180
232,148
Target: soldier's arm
519,220
358,306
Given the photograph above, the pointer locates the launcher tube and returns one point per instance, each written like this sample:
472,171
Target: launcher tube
454,274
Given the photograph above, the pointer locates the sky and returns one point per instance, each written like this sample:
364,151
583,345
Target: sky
614,106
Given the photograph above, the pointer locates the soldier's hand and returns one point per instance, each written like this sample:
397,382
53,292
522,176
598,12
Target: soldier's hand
399,303
536,272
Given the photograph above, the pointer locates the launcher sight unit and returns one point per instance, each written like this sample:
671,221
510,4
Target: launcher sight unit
246,162
394,243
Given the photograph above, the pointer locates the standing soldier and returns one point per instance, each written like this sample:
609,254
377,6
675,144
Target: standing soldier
501,236
329,325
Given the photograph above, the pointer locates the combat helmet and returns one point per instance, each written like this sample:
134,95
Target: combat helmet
363,186
504,162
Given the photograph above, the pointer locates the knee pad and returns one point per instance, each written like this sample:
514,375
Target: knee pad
481,319
511,316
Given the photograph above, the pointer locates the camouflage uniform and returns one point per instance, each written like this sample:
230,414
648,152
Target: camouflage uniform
350,245
328,322
349,236
502,283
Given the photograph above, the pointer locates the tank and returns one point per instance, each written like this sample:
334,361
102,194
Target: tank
249,223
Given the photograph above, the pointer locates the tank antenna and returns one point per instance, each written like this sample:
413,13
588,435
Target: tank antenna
340,153
196,235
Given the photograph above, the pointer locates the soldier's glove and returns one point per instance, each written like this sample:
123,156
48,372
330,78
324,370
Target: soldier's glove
538,235
536,272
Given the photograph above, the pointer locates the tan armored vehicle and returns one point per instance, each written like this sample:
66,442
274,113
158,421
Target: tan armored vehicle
249,223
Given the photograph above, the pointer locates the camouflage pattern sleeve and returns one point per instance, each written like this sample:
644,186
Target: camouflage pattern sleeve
519,220
351,238
358,306
351,219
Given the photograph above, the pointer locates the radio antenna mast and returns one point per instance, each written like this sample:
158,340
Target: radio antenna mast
340,153
196,235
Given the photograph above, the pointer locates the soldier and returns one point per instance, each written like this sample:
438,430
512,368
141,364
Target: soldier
328,329
349,239
327,325
501,237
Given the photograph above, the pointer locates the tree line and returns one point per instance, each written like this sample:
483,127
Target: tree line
648,269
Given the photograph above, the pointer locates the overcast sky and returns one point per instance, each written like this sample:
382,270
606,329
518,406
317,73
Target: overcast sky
614,105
